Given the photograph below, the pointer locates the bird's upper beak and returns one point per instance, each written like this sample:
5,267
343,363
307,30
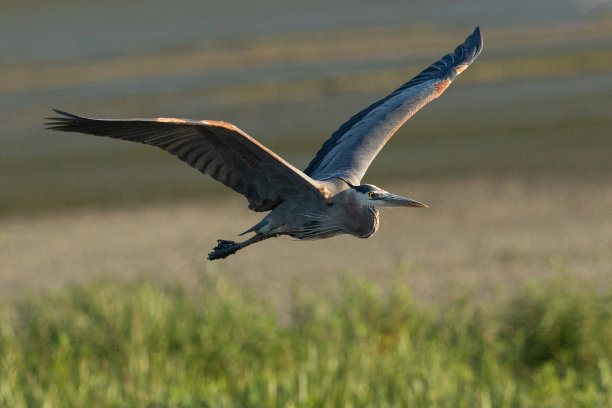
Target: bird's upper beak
392,200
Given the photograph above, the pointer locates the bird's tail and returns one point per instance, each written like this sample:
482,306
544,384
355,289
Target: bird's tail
255,228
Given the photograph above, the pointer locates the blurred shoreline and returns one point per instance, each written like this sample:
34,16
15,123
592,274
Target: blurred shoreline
479,234
537,102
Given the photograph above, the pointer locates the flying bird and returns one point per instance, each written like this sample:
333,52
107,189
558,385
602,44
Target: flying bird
327,198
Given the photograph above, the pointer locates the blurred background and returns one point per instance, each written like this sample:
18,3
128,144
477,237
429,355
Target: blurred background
514,160
497,295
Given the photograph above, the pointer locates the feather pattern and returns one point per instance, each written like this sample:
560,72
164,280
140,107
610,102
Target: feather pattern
218,149
347,154
318,226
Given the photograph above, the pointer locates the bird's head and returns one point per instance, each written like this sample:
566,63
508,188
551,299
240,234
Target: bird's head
370,196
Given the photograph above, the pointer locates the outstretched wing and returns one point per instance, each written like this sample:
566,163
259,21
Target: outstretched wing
218,149
347,154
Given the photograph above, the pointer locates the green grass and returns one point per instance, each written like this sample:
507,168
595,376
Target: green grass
126,344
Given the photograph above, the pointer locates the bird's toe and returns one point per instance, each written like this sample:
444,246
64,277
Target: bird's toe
223,249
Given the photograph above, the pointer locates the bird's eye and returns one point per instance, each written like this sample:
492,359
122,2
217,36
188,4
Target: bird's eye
371,194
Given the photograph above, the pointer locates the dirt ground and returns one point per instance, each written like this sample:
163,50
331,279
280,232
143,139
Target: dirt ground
480,234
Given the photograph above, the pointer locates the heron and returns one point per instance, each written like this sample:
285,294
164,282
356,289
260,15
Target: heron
324,200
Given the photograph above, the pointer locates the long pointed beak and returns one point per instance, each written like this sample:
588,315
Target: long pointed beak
392,200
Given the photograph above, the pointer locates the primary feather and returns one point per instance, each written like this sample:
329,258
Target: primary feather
347,154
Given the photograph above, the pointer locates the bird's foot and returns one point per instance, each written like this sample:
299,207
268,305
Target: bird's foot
223,249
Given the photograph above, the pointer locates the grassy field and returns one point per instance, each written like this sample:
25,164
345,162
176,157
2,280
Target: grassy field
120,344
497,296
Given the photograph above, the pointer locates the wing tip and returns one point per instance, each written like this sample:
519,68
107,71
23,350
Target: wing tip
471,47
60,123
464,54
66,114
477,37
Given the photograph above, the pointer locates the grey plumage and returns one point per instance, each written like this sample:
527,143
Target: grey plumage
350,150
324,200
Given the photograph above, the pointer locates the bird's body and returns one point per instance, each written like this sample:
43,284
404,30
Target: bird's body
312,216
326,199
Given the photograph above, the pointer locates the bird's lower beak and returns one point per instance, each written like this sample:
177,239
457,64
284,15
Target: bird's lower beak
392,200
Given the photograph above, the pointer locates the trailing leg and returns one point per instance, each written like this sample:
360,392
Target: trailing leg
226,248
